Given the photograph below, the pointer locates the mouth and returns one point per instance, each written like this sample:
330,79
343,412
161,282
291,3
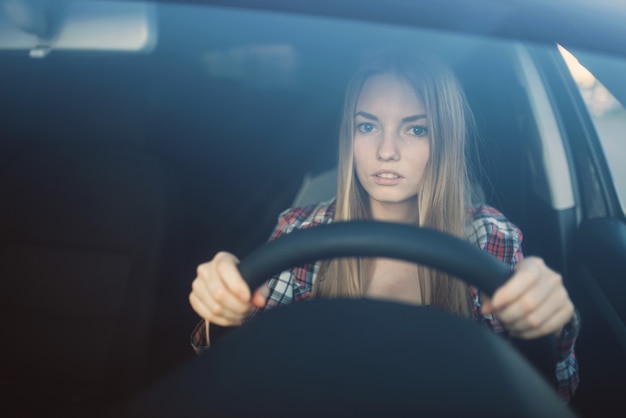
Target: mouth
387,178
387,175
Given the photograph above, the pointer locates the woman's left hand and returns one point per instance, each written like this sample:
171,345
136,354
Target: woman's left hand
533,302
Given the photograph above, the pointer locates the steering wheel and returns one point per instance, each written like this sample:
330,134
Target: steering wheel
361,357
383,239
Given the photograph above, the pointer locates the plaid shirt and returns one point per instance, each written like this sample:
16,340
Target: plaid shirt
488,229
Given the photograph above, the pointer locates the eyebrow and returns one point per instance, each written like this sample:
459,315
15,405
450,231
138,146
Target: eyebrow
375,118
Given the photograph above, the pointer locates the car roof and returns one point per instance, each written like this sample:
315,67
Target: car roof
597,25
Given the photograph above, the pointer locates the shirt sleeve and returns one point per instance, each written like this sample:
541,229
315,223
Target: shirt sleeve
492,232
567,368
200,337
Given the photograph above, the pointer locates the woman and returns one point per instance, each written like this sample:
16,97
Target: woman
402,159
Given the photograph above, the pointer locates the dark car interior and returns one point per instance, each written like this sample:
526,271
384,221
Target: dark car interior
120,173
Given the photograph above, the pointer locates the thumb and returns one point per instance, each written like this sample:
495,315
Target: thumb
487,305
259,298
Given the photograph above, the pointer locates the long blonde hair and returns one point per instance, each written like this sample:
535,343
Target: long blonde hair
443,200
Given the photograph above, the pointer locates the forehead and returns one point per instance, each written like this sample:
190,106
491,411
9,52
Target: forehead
389,92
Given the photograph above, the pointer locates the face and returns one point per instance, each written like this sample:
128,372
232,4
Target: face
391,146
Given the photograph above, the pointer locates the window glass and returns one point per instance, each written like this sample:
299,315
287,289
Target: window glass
608,115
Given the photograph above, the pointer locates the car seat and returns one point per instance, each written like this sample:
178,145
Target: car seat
91,245
83,234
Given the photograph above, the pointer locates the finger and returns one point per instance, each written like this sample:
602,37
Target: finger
209,289
533,301
212,313
486,305
526,275
198,306
220,311
225,265
553,325
216,300
259,298
222,296
199,292
208,314
222,302
542,315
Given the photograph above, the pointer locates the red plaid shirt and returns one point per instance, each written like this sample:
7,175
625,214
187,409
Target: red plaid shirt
488,229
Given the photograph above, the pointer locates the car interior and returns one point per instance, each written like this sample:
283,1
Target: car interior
121,172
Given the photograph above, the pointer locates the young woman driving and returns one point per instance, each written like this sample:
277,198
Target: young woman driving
402,159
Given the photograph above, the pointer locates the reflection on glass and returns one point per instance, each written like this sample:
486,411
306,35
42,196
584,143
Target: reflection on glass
609,118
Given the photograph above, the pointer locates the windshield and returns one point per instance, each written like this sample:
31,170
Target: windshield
235,101
137,142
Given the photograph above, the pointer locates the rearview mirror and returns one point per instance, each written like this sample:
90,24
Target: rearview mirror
40,26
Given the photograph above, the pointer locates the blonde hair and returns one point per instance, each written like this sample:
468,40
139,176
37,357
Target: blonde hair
444,198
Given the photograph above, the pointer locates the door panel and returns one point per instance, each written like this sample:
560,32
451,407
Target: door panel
598,288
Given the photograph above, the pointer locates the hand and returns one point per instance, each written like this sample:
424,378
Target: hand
220,295
533,302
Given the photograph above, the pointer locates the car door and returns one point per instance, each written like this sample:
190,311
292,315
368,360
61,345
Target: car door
588,93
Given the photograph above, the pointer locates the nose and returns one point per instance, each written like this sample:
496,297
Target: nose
388,148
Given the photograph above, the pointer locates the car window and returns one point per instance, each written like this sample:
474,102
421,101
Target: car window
609,119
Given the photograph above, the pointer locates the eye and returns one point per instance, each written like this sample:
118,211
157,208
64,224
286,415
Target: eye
417,130
366,127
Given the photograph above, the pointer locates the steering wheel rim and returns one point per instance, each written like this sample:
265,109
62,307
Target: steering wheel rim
376,239
425,246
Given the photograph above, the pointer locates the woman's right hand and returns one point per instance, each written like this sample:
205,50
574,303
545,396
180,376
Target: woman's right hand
220,295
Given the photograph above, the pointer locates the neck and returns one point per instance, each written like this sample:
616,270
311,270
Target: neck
404,212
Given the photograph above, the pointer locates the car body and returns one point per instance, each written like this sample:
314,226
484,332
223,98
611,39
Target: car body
121,170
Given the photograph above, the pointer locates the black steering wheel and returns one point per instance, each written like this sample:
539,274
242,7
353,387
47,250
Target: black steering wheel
361,357
376,239
383,239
